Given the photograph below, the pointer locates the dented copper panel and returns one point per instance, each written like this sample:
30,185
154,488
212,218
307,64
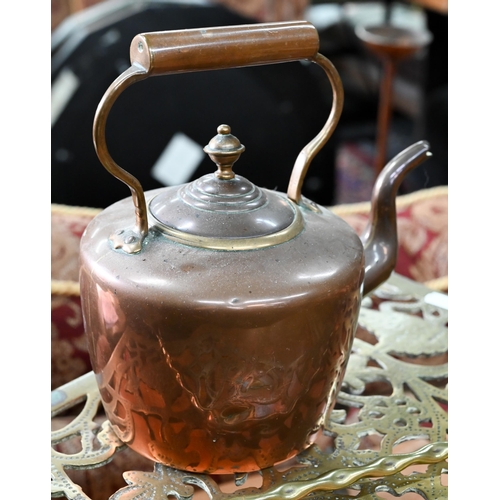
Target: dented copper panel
216,361
221,320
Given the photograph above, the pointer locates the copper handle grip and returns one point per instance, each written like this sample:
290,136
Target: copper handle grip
180,51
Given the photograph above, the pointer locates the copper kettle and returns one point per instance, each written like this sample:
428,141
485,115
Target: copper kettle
220,320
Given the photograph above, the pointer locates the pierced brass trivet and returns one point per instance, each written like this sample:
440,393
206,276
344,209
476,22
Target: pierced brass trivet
394,395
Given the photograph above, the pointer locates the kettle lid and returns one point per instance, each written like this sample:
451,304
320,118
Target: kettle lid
223,210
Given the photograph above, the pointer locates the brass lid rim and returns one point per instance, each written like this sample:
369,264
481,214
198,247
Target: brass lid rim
238,243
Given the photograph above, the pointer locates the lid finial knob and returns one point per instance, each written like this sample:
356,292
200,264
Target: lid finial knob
224,150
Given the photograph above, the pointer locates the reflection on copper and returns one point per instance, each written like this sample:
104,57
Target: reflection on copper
217,352
221,400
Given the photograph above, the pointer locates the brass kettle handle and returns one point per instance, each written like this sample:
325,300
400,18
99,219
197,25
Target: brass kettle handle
181,51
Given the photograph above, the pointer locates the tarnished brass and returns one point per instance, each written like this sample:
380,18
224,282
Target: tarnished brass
83,426
224,150
163,53
224,211
221,324
408,333
307,154
235,244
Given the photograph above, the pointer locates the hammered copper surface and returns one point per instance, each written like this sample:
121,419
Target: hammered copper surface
211,361
409,354
227,358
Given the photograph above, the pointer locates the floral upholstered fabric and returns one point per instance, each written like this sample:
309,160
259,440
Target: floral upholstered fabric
422,234
422,256
69,352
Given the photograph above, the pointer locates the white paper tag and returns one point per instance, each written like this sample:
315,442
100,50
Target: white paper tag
62,90
178,161
437,299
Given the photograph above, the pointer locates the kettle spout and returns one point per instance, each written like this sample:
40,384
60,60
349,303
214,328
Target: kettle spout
380,237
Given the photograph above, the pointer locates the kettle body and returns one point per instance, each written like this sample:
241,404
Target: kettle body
216,361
